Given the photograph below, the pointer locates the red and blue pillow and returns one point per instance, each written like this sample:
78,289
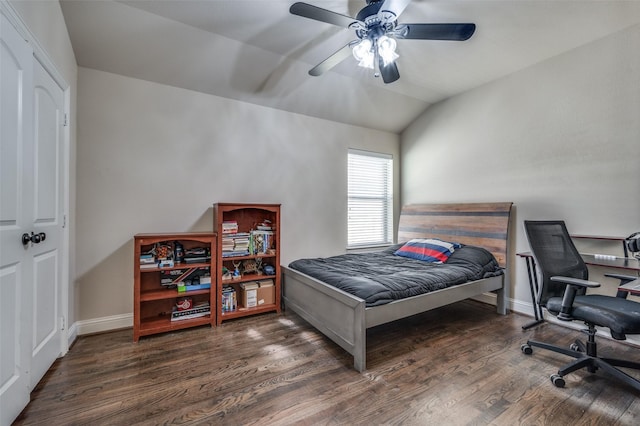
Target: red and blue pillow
428,249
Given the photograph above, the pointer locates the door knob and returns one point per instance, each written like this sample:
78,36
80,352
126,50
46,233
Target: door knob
34,238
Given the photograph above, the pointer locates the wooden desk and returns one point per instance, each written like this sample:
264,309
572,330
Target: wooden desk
628,263
605,238
632,287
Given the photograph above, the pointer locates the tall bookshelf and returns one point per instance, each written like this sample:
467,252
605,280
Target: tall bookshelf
155,301
248,237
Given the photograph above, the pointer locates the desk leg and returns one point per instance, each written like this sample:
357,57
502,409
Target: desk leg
533,285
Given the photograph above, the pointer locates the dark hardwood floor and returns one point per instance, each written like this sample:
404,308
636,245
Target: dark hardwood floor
457,365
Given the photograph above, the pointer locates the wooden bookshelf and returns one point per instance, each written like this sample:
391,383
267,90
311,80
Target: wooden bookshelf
154,303
248,218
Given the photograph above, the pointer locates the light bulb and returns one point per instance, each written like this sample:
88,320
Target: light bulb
363,53
387,49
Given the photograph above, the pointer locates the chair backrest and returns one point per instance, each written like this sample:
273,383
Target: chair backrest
555,254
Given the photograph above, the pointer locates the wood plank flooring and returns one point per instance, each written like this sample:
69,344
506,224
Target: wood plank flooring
457,365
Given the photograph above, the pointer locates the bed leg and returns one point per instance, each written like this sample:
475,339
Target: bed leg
359,362
360,338
501,301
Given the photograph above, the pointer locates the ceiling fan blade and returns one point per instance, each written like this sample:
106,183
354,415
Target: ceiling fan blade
388,72
394,6
453,32
319,14
332,60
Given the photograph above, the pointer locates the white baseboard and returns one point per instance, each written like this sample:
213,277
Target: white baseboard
100,325
513,305
72,334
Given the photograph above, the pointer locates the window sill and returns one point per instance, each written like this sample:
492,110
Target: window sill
364,249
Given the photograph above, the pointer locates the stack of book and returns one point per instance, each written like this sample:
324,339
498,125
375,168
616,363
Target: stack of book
198,310
229,301
227,244
148,261
236,244
264,225
197,255
229,227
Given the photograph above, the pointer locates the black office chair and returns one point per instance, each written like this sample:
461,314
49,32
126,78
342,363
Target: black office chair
562,292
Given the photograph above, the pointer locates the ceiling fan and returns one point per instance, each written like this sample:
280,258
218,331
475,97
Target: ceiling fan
377,29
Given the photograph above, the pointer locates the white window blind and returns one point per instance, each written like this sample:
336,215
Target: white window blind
370,192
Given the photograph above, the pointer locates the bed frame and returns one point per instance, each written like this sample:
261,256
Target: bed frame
345,318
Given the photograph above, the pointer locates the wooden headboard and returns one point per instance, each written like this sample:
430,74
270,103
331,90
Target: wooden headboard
479,224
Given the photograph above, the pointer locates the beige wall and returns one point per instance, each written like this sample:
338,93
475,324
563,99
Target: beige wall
560,139
154,158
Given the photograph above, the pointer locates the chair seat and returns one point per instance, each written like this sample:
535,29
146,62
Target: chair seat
620,316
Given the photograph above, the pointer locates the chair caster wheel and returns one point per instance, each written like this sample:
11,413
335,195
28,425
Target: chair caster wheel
526,349
574,347
557,380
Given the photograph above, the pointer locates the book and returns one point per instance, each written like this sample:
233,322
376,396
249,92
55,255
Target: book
189,260
229,227
200,310
191,316
229,300
148,265
192,287
262,241
235,253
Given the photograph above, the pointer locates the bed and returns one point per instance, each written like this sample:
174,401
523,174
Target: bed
345,318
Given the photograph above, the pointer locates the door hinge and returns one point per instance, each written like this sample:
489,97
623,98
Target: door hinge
62,323
66,120
64,220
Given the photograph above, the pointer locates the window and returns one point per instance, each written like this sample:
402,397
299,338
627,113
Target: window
370,192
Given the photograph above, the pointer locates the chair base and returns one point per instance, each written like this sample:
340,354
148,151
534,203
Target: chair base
585,355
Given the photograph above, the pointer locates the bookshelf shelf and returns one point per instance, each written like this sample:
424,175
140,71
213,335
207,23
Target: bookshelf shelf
252,233
163,324
146,296
243,312
178,266
154,302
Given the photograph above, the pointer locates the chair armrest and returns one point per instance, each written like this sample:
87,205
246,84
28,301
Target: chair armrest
573,285
576,281
623,278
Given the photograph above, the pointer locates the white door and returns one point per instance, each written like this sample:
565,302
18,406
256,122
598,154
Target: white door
31,222
46,222
16,145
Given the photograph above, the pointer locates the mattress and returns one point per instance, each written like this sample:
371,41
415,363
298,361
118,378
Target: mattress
382,277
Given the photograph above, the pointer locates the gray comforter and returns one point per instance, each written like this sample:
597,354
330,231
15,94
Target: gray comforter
381,277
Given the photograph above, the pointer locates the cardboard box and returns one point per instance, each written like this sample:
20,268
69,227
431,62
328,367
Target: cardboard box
266,293
249,294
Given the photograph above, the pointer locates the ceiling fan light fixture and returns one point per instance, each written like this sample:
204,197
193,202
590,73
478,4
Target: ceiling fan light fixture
363,52
387,49
377,28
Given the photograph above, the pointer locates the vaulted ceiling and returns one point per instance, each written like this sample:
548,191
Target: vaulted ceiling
256,51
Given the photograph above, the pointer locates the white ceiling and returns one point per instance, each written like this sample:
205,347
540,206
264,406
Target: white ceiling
256,51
